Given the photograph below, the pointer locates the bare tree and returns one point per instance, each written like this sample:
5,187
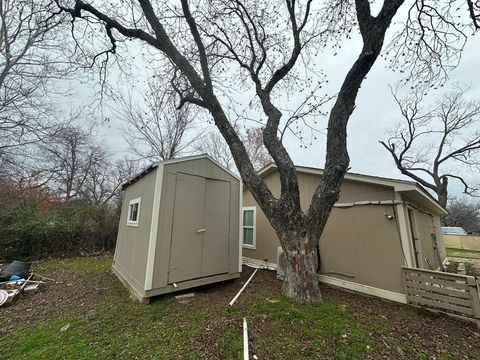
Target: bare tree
104,179
257,152
214,145
70,158
156,129
463,213
256,45
30,58
437,144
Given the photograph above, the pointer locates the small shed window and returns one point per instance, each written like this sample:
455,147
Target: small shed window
248,227
133,212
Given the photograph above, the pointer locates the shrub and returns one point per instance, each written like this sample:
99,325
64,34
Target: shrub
470,268
452,266
30,232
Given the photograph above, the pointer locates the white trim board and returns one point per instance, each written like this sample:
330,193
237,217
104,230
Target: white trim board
258,263
364,289
403,226
152,243
240,227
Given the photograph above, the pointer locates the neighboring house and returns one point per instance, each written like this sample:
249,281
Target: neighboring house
378,226
453,230
179,227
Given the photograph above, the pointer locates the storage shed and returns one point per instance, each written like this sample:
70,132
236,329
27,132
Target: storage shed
179,227
378,226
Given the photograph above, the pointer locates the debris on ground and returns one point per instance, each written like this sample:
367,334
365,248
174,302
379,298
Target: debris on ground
16,269
458,265
273,301
15,279
184,298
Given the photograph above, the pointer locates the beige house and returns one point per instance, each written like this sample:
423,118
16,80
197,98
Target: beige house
377,226
179,227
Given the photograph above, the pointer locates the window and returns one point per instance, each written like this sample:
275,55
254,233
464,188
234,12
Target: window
248,226
133,212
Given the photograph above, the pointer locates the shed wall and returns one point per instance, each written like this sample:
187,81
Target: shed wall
132,242
203,168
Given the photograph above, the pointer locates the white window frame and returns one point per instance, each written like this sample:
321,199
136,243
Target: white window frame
132,202
254,208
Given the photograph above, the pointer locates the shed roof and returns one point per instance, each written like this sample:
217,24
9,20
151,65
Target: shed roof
171,161
410,188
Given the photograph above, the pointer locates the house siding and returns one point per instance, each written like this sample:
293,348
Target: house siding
359,244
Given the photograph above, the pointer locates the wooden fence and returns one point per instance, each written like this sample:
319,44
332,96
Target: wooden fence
463,242
451,293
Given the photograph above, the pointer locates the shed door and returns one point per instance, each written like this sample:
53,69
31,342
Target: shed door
217,223
188,214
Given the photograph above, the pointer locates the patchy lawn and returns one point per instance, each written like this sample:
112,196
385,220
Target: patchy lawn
105,323
451,252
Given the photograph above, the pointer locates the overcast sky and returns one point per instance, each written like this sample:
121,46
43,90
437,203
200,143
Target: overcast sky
375,114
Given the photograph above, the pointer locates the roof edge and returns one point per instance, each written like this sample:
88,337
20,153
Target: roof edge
155,164
398,184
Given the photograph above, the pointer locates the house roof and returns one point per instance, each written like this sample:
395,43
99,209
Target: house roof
172,161
410,188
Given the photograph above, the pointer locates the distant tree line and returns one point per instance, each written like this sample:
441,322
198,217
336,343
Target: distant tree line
465,214
63,198
60,185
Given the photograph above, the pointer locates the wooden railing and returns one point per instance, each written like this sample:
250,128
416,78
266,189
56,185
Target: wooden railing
451,293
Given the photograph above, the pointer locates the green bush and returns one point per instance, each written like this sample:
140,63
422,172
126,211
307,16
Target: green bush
469,268
452,266
31,232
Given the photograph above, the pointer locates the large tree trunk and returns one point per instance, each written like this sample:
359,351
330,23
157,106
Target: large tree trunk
442,192
442,198
301,281
300,248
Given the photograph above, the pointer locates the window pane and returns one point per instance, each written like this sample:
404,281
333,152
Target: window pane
247,217
133,212
248,236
